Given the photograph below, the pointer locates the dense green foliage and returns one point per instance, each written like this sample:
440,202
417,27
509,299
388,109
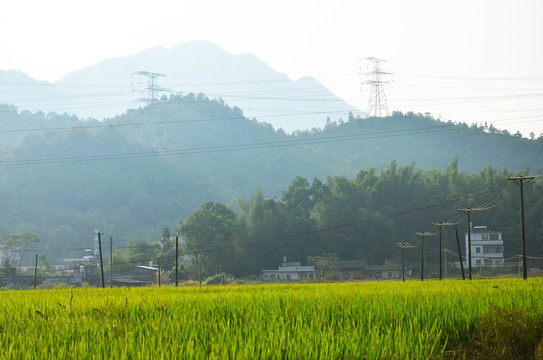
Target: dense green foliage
361,218
414,320
67,177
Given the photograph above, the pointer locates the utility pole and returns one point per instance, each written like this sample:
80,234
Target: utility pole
439,225
158,264
111,261
101,262
177,261
460,253
422,258
403,265
404,245
200,268
377,104
445,264
422,235
468,212
519,180
35,271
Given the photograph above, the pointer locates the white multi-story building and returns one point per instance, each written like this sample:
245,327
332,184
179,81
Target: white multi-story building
486,247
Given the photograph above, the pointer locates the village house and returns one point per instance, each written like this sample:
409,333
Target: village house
387,271
486,247
289,271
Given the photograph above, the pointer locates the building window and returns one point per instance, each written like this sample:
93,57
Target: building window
389,274
477,262
478,250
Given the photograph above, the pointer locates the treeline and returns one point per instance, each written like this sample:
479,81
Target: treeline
358,218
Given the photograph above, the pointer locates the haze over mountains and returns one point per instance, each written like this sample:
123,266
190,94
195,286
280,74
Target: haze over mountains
108,88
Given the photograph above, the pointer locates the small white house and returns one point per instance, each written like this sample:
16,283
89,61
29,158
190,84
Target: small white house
290,271
486,247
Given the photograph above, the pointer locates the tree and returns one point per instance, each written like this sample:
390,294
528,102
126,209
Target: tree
140,251
261,242
21,241
165,243
209,234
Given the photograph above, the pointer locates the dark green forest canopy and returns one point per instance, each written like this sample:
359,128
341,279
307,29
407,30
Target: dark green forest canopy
363,217
133,175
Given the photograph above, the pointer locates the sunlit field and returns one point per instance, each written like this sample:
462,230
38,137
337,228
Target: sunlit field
447,319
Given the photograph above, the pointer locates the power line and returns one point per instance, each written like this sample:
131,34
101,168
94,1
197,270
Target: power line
238,147
302,234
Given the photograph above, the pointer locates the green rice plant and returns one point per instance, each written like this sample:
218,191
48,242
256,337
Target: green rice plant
310,321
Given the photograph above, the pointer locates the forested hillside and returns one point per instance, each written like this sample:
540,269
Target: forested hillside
133,175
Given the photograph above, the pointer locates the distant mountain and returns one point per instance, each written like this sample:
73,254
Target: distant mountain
19,89
108,88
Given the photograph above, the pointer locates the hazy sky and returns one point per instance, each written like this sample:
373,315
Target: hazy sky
471,61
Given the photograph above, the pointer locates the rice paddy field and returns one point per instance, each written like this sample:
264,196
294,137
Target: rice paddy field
449,319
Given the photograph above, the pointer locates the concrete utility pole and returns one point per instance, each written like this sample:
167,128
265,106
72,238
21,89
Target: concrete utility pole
176,261
445,263
111,261
460,254
422,235
36,271
403,246
439,225
158,264
468,212
101,262
519,180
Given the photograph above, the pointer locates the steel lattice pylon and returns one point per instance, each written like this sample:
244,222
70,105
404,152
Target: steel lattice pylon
377,104
152,137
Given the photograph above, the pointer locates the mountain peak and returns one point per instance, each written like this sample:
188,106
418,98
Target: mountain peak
104,89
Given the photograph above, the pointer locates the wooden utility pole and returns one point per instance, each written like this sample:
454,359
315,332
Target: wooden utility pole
439,225
460,253
403,246
111,261
440,255
200,268
158,264
403,266
101,262
176,261
422,235
519,180
422,257
36,271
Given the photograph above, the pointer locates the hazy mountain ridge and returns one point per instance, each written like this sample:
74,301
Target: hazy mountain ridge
108,88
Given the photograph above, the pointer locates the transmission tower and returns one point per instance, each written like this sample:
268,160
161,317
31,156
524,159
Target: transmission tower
377,104
153,90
